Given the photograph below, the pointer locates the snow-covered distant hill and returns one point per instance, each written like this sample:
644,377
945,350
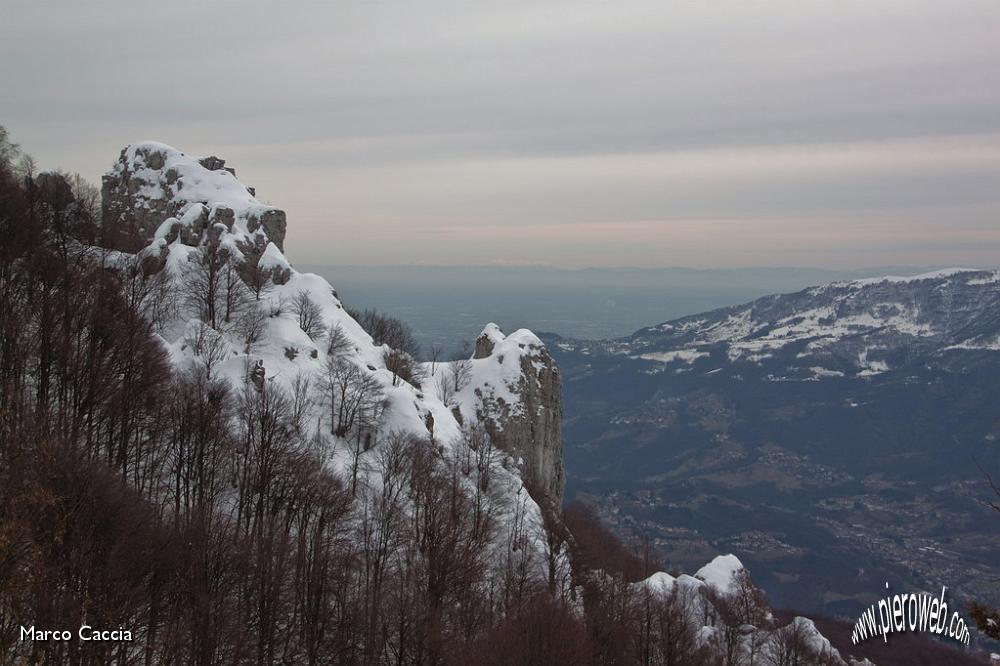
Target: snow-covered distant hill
857,328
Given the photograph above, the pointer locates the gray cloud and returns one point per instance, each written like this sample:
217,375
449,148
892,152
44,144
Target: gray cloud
642,132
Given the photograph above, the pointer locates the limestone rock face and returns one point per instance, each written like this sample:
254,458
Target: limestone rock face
516,392
487,341
155,191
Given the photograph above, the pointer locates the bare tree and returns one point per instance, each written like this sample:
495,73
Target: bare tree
309,314
434,357
353,395
9,151
251,327
460,372
674,638
236,296
86,194
277,307
153,295
386,330
337,342
405,367
257,279
203,286
301,399
209,346
789,646
445,390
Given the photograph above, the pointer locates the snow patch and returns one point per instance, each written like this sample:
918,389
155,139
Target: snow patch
896,279
686,355
719,572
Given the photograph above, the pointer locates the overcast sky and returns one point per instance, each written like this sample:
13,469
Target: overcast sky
644,133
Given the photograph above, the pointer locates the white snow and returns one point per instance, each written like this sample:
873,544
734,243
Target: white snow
932,275
287,352
495,377
748,338
686,355
273,258
870,367
194,191
993,278
978,344
731,328
719,572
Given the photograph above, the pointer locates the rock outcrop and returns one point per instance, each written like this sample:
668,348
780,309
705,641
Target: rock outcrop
155,191
516,394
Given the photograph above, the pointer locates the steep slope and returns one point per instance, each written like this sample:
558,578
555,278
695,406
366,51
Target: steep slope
184,211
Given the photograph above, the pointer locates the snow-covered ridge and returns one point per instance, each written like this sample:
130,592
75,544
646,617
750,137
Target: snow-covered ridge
758,642
180,210
856,328
896,279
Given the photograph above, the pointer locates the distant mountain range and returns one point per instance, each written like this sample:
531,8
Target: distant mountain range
834,438
444,304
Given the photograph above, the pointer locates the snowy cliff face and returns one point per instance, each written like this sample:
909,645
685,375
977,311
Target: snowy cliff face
858,328
183,208
515,391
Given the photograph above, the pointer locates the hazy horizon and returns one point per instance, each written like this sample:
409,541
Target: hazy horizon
448,305
875,270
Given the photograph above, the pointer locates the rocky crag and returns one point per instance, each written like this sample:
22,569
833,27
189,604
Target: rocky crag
170,206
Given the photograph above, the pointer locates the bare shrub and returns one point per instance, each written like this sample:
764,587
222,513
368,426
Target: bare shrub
386,330
309,314
460,374
337,342
203,287
445,388
404,367
251,327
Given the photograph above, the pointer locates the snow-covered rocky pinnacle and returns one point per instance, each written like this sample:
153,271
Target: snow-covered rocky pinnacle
515,391
716,585
157,192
